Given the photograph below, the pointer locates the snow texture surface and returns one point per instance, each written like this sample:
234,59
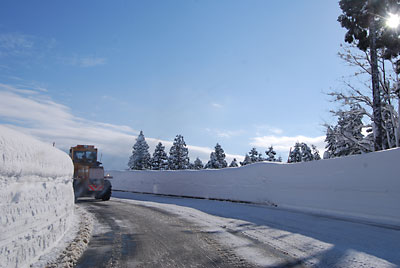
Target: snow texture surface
364,187
73,244
253,229
37,199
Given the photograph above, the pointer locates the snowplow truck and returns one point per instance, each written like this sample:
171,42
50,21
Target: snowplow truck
89,179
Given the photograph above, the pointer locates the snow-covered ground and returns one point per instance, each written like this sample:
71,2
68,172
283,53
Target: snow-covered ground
70,248
350,207
315,240
363,187
36,198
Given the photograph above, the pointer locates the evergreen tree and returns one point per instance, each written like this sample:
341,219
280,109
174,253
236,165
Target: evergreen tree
191,166
315,153
178,154
198,164
295,154
279,159
306,154
270,153
303,153
213,162
234,163
349,127
365,24
253,154
160,158
330,141
356,18
246,160
389,125
220,155
217,158
140,158
355,96
346,138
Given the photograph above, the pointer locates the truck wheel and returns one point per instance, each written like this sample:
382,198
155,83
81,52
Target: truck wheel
75,186
106,195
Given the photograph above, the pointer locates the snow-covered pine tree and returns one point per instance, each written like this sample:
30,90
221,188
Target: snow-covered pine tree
212,163
279,159
358,92
364,21
198,164
306,154
217,158
246,161
390,127
302,153
253,154
315,152
346,138
160,158
295,154
330,141
234,163
220,155
349,130
178,154
140,158
270,153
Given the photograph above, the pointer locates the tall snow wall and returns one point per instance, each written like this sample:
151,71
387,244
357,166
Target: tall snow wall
363,187
36,197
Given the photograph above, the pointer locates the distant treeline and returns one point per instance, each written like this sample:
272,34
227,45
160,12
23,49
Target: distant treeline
178,157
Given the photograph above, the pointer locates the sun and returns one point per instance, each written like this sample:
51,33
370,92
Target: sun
393,20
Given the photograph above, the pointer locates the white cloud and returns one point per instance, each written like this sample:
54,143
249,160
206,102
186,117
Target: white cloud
284,143
32,112
194,151
267,129
83,61
204,154
39,88
24,46
15,43
92,61
221,133
216,105
13,77
17,89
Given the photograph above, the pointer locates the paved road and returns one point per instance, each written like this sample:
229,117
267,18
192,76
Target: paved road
134,236
129,235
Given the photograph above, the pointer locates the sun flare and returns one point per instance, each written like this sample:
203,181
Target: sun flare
393,21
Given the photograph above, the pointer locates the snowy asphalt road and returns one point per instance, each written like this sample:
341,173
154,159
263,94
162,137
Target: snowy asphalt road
129,235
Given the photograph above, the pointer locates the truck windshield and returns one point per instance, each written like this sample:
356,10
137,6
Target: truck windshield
85,156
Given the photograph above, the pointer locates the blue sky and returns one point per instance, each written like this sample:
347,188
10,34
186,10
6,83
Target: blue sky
241,73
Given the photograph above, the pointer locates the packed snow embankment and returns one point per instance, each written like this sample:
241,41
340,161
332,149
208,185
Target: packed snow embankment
36,197
362,187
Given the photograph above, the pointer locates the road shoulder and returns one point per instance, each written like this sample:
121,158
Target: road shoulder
71,247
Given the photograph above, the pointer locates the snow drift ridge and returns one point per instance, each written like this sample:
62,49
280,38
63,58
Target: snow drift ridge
24,155
36,197
363,187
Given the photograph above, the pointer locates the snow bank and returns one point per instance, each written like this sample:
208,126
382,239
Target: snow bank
36,197
266,236
363,187
72,245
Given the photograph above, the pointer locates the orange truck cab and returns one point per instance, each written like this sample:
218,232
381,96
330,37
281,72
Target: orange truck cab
89,177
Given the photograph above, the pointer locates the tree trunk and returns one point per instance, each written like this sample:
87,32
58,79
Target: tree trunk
375,83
